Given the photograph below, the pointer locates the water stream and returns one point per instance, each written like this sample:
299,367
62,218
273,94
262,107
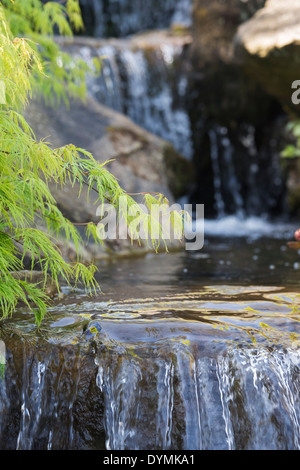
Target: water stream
144,77
119,18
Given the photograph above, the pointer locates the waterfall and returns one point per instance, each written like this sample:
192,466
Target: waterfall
242,399
161,373
226,183
164,396
240,171
147,84
217,178
33,411
42,413
119,18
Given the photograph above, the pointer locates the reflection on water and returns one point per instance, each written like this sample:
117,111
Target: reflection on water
180,351
252,261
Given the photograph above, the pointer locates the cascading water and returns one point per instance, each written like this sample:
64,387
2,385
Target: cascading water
242,200
244,399
148,77
226,184
217,177
146,83
119,18
215,368
171,394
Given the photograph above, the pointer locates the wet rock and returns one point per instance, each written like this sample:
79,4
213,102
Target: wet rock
267,46
214,25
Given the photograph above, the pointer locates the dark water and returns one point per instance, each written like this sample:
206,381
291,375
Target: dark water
179,351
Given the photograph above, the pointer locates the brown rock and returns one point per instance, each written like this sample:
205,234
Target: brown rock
268,47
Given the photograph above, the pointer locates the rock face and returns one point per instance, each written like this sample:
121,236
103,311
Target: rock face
138,158
268,46
214,25
141,161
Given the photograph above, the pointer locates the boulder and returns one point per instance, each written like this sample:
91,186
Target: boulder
267,46
221,86
215,23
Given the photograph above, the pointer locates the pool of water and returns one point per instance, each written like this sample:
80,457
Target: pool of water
235,260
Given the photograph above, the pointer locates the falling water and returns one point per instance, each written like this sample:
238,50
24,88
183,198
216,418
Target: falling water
148,82
226,184
39,409
184,372
151,81
214,153
241,399
34,412
148,85
120,18
239,172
